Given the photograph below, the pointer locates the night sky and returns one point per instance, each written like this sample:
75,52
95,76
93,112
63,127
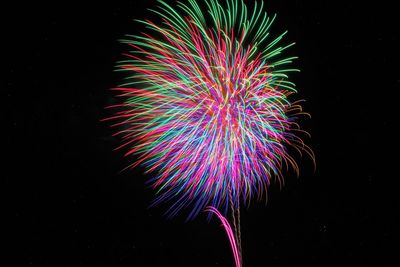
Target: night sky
68,203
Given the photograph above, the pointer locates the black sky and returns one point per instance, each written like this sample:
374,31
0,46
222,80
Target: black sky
69,205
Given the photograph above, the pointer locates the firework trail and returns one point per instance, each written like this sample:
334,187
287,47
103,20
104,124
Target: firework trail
229,232
205,105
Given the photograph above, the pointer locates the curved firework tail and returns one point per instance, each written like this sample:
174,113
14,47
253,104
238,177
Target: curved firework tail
205,104
231,235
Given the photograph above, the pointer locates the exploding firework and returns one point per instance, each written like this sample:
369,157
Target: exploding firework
205,106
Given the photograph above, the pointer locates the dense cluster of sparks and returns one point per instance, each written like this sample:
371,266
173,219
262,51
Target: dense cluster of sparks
205,104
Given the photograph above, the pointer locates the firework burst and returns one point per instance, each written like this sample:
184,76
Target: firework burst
205,105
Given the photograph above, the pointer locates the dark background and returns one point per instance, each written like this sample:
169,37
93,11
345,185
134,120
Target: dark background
67,203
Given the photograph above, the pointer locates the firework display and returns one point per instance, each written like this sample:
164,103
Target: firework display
205,106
